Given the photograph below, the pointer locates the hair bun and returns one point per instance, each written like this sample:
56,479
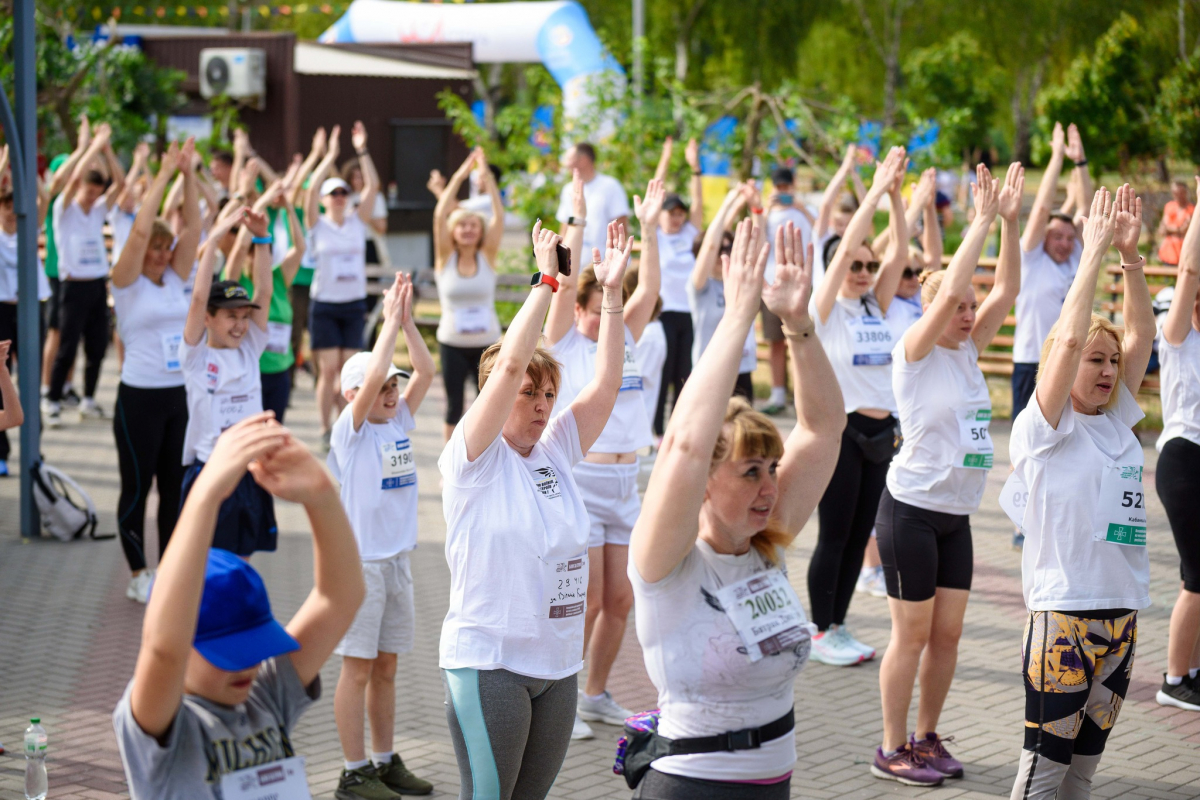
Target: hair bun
925,273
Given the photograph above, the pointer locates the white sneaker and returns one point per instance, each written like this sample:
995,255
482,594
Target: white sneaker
88,408
844,635
52,412
139,587
871,581
603,710
581,730
832,649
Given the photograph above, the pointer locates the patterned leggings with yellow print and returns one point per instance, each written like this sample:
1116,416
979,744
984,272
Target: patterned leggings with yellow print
1076,670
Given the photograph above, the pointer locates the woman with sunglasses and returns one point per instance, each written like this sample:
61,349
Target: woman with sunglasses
850,307
936,482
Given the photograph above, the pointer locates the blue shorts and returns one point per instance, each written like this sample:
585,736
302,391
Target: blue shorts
276,391
246,521
333,325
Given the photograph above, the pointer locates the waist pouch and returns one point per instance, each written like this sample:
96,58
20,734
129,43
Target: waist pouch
879,448
641,745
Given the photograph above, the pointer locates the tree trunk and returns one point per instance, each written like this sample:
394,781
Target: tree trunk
1024,94
891,63
753,123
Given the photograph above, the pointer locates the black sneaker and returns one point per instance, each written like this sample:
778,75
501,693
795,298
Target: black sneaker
362,784
70,399
397,777
1185,695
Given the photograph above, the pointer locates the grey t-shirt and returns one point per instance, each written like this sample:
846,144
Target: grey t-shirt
708,306
207,739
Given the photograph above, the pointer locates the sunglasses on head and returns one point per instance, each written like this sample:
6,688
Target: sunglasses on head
872,267
909,273
339,193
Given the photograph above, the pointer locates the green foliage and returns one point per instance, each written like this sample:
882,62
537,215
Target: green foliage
955,83
1178,109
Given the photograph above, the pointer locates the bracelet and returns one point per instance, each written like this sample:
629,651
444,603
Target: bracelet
1141,262
804,333
262,239
754,210
579,222
696,173
1081,163
615,310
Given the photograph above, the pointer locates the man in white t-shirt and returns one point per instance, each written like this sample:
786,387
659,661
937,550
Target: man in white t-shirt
605,197
783,207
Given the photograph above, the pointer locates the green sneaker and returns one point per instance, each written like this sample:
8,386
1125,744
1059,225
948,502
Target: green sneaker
363,784
397,777
773,410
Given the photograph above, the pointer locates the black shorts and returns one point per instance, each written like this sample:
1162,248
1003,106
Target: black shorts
338,325
922,550
246,520
1177,480
53,305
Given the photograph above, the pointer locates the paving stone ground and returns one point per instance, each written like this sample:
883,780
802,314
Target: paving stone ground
68,638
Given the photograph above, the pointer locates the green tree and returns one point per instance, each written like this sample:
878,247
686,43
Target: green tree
955,83
1178,109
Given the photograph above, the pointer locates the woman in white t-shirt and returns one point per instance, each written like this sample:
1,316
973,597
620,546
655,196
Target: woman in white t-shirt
1084,568
726,497
849,308
339,286
936,482
651,349
516,543
464,249
608,475
1178,474
151,413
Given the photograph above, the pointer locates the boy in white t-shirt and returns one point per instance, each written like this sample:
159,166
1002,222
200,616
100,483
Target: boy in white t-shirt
223,338
370,453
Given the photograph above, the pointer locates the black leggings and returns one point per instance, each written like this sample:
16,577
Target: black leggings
149,426
84,316
846,515
662,786
1178,483
744,386
458,364
677,326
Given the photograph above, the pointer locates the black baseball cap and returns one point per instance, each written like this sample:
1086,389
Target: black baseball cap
782,175
230,294
674,201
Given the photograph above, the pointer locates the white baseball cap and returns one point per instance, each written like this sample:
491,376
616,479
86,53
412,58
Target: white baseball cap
354,371
333,183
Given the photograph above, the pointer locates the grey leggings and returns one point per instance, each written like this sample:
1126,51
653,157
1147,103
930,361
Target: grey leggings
510,732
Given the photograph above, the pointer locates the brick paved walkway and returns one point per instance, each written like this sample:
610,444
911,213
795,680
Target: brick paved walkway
68,638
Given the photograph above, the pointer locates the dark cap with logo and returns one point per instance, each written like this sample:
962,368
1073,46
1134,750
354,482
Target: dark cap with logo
674,201
230,294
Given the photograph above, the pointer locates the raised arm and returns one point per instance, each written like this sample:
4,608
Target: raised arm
562,304
58,181
116,174
98,143
696,190
241,155
485,419
443,243
366,201
187,242
12,415
1057,374
931,234
423,367
495,231
1083,179
995,307
264,285
667,528
141,154
315,153
235,263
707,259
921,194
384,350
1187,285
295,254
1039,215
193,329
664,160
895,257
312,204
640,306
129,265
1137,310
833,190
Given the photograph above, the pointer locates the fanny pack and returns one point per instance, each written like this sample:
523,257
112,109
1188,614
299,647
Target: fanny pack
642,745
878,448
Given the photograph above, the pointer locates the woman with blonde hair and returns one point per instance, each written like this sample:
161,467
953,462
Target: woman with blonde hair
464,252
727,495
1084,568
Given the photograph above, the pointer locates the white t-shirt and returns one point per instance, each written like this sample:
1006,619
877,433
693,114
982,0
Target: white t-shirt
859,343
627,428
1063,566
1044,287
936,395
676,259
223,388
1180,374
706,683
378,208
606,201
708,306
651,354
379,481
122,226
9,272
902,313
819,265
150,319
777,217
340,274
511,524
79,238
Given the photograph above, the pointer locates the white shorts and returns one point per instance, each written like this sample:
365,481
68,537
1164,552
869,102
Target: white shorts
385,620
610,495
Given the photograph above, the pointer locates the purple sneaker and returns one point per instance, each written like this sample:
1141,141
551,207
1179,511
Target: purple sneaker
906,767
934,754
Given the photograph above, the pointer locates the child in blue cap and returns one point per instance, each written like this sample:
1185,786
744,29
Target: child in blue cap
219,684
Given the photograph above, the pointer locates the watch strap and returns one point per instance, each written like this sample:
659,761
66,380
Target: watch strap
540,277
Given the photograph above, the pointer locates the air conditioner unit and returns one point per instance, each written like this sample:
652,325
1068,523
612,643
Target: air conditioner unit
239,72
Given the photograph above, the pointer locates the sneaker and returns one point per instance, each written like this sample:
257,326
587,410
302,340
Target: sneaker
1018,541
906,767
603,710
88,408
325,440
772,409
581,730
3,468
139,587
398,778
831,648
871,581
70,399
1185,695
362,783
934,754
53,413
847,638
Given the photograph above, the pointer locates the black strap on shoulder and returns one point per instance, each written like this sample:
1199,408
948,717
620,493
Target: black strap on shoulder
745,739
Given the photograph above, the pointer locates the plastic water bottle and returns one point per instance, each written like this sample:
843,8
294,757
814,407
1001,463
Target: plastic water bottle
35,761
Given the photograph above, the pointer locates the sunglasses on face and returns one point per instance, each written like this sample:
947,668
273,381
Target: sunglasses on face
909,273
339,193
872,267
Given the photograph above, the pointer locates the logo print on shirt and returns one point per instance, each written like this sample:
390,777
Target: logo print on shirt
212,374
548,483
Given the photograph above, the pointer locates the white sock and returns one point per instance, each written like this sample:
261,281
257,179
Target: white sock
595,698
383,758
778,396
353,765
1192,673
1174,680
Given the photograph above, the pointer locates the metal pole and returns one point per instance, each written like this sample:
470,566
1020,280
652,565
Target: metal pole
639,35
29,349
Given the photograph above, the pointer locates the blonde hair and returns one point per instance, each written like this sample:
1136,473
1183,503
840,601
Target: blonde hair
589,285
458,215
160,231
629,285
542,367
1097,326
747,433
931,281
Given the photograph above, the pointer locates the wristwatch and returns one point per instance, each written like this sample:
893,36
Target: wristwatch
540,277
577,221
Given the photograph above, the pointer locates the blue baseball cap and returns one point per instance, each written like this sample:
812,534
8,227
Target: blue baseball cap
235,630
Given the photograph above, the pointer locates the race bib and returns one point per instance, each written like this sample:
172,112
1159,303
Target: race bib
976,450
1014,498
870,341
279,780
279,337
399,469
564,587
347,267
472,319
1121,513
631,377
89,252
230,409
767,613
170,351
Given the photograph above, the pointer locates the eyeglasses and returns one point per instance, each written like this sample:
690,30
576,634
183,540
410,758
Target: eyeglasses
872,267
908,274
339,193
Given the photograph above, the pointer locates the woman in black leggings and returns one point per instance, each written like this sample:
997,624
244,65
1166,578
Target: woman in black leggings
150,417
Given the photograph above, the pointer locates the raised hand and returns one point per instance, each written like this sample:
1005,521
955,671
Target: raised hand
406,298
924,191
1127,225
743,271
170,160
227,224
850,159
1058,139
141,152
886,172
987,195
85,132
618,246
186,154
578,201
252,438
335,142
647,210
393,299
248,177
358,136
544,244
1012,193
1100,225
787,298
103,134
256,223
1074,149
750,194
291,472
320,140
692,154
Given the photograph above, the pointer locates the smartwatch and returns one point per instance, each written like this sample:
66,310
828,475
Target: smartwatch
577,221
540,277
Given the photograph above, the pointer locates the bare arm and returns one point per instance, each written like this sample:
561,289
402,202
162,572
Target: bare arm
183,257
640,306
307,166
895,258
495,231
562,304
423,368
1187,284
193,329
312,205
1084,186
383,351
12,415
264,284
116,173
708,259
995,307
1137,310
58,181
696,212
366,202
1039,215
295,254
129,265
664,160
443,243
832,192
98,143
125,199
931,236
